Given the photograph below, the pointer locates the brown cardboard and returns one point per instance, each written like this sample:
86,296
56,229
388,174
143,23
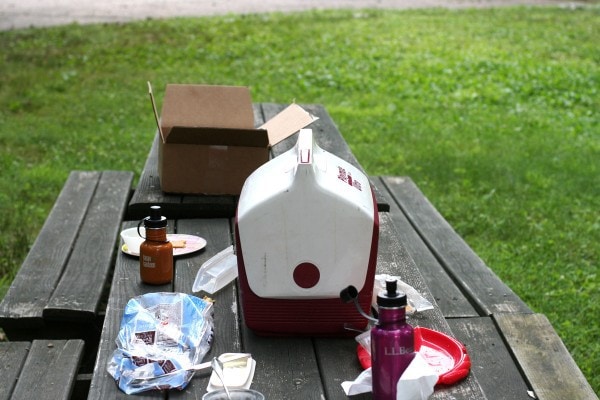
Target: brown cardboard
208,141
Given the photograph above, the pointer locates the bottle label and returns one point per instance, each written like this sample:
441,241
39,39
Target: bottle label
148,261
397,351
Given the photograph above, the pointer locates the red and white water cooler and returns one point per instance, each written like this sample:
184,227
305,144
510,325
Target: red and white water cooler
306,227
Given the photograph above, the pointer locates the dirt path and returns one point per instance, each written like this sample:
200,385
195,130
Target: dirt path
15,14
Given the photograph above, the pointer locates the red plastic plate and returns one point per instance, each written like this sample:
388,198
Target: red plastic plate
446,355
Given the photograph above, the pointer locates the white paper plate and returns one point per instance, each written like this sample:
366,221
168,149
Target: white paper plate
192,244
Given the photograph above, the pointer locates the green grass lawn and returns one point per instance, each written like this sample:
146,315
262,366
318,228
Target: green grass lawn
492,112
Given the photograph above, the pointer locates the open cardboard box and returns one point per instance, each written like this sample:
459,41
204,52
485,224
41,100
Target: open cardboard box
208,141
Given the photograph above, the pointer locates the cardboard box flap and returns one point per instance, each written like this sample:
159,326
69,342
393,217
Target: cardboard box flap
287,122
206,106
218,137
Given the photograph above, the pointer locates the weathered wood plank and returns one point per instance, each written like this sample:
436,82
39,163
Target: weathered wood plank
286,368
543,357
50,370
43,266
339,363
394,259
448,297
78,294
492,362
227,335
12,358
126,284
488,293
208,206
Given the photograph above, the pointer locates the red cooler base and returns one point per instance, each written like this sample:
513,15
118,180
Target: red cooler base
314,317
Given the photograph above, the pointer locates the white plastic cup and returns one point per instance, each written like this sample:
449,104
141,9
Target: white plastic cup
132,239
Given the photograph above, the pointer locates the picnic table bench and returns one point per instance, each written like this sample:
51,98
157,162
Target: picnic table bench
61,288
42,369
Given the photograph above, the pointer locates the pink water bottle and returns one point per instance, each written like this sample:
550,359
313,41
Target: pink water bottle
392,342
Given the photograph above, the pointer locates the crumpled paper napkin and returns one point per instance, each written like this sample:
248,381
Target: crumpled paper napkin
416,383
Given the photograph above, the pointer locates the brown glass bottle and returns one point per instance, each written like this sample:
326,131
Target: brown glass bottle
156,253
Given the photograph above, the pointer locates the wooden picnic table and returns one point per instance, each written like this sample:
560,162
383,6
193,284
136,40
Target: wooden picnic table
515,352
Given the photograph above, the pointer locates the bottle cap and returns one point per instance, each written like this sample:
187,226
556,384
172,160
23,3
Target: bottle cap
155,220
391,297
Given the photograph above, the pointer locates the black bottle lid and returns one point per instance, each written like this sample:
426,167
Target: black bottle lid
155,220
391,297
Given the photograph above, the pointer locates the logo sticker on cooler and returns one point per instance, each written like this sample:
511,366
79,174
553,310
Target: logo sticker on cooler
344,176
306,275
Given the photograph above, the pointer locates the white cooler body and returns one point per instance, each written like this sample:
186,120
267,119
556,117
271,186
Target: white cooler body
307,227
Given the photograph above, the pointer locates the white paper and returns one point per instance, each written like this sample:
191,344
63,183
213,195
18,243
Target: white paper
416,383
362,384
